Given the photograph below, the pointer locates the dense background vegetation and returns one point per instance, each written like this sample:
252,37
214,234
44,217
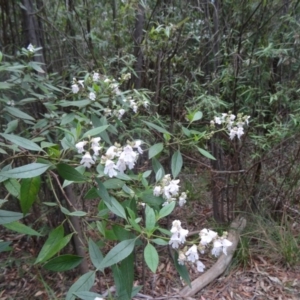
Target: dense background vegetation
184,57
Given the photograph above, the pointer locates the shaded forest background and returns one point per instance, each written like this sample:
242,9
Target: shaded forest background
209,56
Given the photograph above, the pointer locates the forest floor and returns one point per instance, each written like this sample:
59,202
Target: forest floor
262,275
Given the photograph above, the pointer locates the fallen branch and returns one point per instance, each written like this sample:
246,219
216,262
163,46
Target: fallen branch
222,263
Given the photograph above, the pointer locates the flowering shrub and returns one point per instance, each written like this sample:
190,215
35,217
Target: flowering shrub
108,169
234,124
220,244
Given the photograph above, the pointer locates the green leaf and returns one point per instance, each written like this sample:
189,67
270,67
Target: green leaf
118,253
166,210
91,194
27,171
155,149
182,270
116,208
113,183
159,175
86,295
121,233
197,116
13,187
203,152
100,122
151,257
84,283
186,131
147,174
36,66
55,242
160,242
22,142
28,192
21,228
95,131
176,163
5,85
11,126
79,104
102,192
148,197
7,216
150,218
96,255
123,277
69,173
76,213
4,246
158,128
18,113
63,263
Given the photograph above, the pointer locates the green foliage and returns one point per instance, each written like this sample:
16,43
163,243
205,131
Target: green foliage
192,70
63,263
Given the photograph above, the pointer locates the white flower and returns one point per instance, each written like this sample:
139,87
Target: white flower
81,82
107,112
121,113
111,152
176,240
110,168
11,102
137,145
192,254
146,104
87,160
96,76
171,189
207,236
128,156
31,48
133,105
98,298
95,145
218,120
247,119
95,141
182,199
219,246
75,88
236,131
121,165
181,258
157,191
178,234
200,266
80,146
240,132
92,96
232,117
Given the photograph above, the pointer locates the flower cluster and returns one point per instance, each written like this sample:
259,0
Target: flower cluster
88,160
168,189
31,48
220,244
178,234
90,87
126,156
117,158
234,124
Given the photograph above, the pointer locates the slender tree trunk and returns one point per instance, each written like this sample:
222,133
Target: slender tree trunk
138,37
